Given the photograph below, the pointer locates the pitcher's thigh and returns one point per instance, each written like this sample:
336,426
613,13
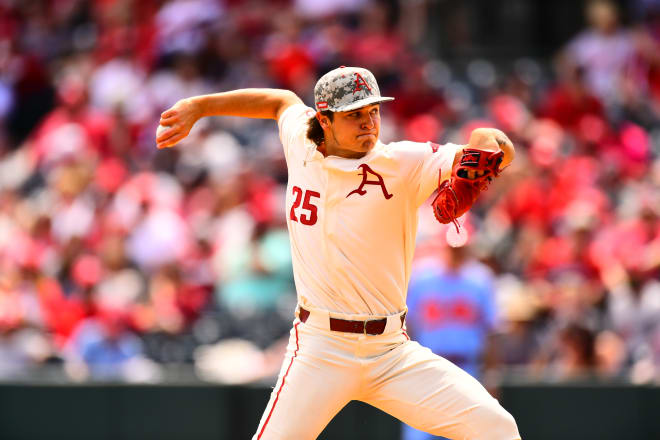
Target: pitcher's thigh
432,394
308,393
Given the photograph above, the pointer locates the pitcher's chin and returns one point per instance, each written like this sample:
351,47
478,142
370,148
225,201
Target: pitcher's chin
367,142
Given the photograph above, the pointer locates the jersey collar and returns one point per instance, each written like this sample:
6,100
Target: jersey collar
312,154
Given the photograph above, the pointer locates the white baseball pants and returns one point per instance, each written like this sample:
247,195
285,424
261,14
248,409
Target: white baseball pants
323,370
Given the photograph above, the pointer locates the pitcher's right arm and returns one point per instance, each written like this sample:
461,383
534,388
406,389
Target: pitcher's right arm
248,103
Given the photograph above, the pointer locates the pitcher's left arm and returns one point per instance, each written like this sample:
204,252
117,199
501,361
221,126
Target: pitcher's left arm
487,153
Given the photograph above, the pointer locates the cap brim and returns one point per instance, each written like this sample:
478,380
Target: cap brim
361,103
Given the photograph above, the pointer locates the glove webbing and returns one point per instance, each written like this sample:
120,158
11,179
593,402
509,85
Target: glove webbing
446,211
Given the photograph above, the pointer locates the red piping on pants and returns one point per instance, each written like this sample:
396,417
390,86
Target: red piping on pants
281,385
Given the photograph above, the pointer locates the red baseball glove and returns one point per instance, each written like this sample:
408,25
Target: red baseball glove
470,176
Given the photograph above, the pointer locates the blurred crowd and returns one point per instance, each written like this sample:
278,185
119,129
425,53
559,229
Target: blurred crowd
117,259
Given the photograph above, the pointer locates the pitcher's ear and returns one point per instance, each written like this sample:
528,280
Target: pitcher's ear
323,121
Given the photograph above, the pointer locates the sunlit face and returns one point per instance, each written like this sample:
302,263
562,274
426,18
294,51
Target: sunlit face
603,15
354,131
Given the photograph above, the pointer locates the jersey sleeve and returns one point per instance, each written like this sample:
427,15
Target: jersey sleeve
434,159
293,127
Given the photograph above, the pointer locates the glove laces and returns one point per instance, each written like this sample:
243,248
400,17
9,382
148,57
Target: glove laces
447,211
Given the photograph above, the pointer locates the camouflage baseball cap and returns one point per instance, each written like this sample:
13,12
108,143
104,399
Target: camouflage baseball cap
347,88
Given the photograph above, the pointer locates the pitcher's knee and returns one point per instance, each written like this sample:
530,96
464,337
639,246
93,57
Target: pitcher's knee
495,423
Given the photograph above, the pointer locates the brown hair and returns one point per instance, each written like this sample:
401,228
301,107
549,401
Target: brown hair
314,129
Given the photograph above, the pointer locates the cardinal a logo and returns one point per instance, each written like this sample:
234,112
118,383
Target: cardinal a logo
359,82
366,171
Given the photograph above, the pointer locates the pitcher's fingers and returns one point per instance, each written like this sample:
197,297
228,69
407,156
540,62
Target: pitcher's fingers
166,144
167,134
171,141
168,113
169,121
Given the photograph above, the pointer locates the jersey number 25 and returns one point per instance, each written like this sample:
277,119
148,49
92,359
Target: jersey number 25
305,218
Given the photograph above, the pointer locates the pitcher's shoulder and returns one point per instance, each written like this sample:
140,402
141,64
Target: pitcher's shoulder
410,150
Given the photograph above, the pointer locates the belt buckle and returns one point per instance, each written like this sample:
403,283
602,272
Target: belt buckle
364,329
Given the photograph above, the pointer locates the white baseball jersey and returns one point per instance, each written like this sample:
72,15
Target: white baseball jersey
353,222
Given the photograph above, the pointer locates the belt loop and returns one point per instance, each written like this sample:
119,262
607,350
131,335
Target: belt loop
303,314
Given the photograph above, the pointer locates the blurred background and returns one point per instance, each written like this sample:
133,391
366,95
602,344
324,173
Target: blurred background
121,263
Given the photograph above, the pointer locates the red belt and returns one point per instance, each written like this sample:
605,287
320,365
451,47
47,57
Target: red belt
369,327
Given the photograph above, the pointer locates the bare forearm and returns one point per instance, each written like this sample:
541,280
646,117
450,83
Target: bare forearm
249,103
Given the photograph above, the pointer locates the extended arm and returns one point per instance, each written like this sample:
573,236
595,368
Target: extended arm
475,165
249,103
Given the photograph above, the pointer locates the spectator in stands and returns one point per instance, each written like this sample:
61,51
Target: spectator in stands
102,348
451,310
604,52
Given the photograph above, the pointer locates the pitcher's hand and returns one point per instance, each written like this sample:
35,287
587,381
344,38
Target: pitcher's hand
492,140
178,120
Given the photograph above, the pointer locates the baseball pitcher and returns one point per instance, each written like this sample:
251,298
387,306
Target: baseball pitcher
351,209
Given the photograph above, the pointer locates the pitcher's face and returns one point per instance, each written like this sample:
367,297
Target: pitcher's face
355,130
